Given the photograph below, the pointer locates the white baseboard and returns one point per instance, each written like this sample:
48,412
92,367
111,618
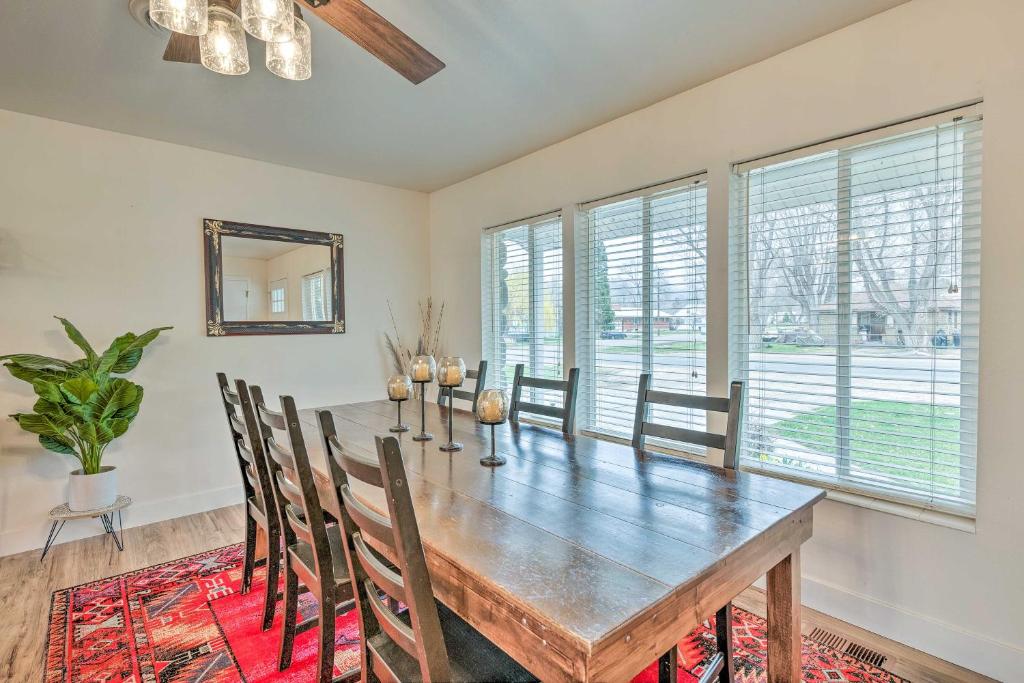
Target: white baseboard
141,512
979,653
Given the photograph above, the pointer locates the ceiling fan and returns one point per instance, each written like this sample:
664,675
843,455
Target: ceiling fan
353,18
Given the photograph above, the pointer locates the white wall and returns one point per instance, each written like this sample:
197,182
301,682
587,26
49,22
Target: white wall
955,594
105,229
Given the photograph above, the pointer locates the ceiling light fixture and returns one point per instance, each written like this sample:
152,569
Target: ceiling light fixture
222,48
181,16
269,20
293,59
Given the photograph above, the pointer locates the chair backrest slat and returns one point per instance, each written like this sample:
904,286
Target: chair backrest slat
371,523
480,375
397,531
733,406
383,576
401,634
684,435
568,387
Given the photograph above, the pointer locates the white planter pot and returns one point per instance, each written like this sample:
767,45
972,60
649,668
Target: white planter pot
92,491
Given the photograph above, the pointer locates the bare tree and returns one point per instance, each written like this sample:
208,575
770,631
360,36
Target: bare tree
903,253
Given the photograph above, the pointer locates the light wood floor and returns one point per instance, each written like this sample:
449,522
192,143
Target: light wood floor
26,585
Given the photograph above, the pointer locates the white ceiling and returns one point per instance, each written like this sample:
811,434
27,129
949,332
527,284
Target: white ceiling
521,75
244,247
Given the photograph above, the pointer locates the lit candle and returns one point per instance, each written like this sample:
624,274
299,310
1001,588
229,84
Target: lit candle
423,369
451,372
399,387
492,406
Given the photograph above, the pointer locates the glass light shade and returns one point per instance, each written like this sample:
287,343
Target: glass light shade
423,369
451,372
492,406
181,16
223,48
292,59
269,20
399,388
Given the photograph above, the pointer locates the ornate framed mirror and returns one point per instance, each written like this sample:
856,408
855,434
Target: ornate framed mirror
266,280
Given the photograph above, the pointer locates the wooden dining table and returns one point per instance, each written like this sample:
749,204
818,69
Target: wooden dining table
584,559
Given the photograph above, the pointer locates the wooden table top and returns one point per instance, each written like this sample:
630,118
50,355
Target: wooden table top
576,539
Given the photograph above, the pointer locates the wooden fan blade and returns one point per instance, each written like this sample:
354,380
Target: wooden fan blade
182,48
380,38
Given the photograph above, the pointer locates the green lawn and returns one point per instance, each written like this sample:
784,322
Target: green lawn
878,446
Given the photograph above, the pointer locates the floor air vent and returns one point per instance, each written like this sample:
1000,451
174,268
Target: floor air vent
855,650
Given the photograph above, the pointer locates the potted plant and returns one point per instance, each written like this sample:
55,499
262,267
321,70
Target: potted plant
82,407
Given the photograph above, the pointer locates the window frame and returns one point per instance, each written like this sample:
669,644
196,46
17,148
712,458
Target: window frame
739,225
585,332
535,265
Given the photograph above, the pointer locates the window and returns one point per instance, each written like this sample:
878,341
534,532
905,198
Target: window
277,297
316,292
854,311
522,302
640,303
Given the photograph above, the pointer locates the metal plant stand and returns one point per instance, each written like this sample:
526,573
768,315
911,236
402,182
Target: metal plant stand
61,514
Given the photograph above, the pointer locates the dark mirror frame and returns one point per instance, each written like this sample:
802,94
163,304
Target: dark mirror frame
216,326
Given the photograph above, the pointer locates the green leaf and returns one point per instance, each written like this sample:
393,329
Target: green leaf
110,357
116,396
31,376
78,340
79,389
132,354
33,361
57,444
47,390
127,361
119,426
37,424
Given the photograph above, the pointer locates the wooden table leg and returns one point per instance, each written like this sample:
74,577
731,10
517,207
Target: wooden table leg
784,621
668,667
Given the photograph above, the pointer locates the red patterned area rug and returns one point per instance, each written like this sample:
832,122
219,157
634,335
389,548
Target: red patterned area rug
186,621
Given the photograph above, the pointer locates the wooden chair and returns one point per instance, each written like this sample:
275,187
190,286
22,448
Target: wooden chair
721,666
313,551
568,387
426,641
480,375
260,506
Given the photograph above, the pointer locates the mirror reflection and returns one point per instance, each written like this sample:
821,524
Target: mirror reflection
270,280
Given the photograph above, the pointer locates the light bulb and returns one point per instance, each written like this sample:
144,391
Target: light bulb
269,20
223,48
181,16
292,59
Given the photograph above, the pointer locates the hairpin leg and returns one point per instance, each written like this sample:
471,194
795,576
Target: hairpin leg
54,533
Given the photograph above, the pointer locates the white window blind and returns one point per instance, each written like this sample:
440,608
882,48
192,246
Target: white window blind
854,311
315,295
522,302
640,303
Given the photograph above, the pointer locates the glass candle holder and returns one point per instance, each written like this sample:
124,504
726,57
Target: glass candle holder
423,369
399,390
451,373
492,409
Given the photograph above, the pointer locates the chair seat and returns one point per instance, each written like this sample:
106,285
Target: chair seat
473,658
303,553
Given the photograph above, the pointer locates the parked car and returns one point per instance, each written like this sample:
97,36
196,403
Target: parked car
612,334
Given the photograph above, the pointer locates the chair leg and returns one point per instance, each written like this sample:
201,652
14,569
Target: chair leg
325,665
723,634
291,605
250,552
668,667
273,576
